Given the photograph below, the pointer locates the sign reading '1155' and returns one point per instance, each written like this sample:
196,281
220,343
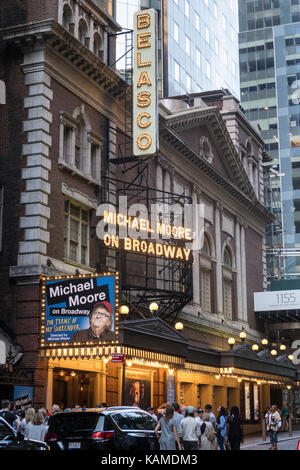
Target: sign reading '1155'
145,84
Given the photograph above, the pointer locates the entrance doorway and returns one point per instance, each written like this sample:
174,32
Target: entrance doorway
276,396
72,388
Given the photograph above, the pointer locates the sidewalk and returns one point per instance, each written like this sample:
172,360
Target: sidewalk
256,439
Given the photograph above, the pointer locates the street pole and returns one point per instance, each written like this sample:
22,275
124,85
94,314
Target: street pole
290,425
123,383
264,433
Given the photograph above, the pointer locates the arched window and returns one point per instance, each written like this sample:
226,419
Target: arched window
205,275
83,32
67,17
227,258
98,46
227,284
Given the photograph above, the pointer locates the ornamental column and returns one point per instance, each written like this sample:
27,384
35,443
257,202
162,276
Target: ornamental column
195,191
238,269
219,276
244,273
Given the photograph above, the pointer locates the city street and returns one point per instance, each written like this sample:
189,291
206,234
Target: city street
285,442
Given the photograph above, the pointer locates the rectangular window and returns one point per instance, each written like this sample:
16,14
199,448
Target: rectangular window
186,8
176,71
215,11
187,45
208,70
176,32
217,46
198,58
228,299
76,233
188,83
67,144
205,290
95,158
197,22
224,22
207,39
225,57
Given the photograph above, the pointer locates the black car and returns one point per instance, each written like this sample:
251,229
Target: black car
114,428
12,440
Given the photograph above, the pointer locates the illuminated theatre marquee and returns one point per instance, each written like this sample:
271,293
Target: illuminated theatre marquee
142,228
145,84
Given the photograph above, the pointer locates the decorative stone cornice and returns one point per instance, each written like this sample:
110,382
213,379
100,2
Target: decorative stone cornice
50,34
212,117
246,198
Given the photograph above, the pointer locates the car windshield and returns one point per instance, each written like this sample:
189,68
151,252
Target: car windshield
71,424
134,420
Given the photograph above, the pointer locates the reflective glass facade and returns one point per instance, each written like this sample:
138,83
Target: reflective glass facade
269,43
200,43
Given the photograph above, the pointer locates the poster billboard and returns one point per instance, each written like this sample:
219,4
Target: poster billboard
138,393
79,310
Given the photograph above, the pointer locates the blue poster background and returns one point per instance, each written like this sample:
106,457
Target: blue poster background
60,328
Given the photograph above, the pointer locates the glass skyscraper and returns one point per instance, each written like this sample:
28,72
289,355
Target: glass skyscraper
198,43
269,46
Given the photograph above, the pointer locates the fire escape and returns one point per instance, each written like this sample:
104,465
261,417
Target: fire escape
144,278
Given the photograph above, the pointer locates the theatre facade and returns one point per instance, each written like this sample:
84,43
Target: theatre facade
176,239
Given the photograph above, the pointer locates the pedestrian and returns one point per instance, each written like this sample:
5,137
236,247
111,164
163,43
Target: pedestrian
208,435
183,410
55,409
190,430
178,417
10,416
221,427
213,420
274,424
29,415
235,431
285,416
151,412
226,441
212,417
199,415
37,428
44,413
169,435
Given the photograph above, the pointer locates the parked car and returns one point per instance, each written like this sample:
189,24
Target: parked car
113,428
12,440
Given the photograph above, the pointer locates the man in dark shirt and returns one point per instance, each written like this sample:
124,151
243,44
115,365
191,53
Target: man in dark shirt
8,415
100,325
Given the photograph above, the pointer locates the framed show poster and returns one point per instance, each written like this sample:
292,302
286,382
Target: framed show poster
138,393
79,310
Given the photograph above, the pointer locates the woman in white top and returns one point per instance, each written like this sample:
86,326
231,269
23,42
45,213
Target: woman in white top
37,429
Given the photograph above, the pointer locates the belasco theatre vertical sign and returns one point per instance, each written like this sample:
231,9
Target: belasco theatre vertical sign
145,84
79,310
